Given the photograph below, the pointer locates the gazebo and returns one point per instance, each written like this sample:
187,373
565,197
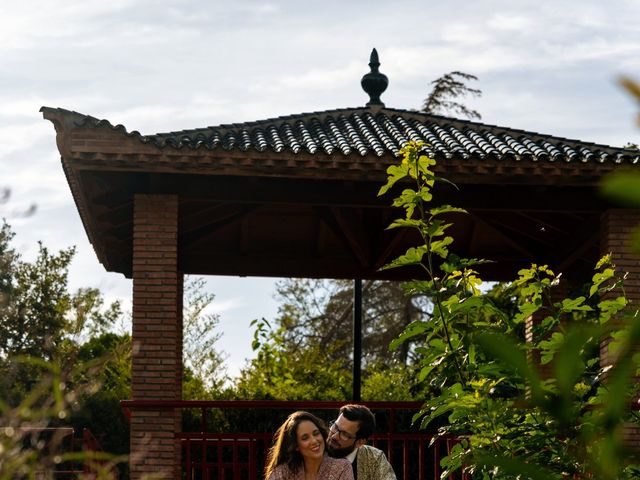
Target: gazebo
295,196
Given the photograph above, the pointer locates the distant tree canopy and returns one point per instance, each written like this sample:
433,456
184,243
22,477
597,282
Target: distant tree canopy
320,312
445,92
38,313
308,351
201,339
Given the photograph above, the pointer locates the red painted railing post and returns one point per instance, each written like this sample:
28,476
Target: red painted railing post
252,460
421,462
187,457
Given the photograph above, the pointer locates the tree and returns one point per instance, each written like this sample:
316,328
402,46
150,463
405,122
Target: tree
320,312
444,92
200,355
38,311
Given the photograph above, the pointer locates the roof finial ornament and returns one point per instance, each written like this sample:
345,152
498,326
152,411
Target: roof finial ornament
374,82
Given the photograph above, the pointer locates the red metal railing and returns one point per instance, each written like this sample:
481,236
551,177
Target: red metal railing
234,455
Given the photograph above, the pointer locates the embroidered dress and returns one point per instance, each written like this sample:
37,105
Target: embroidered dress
330,469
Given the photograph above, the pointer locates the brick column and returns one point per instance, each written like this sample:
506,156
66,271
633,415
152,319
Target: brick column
616,227
157,335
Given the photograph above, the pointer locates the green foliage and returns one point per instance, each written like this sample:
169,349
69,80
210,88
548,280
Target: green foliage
516,418
283,372
88,316
40,317
34,320
622,187
389,383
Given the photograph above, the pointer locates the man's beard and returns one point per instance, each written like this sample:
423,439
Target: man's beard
339,452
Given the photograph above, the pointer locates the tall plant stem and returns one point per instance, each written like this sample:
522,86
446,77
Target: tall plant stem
436,283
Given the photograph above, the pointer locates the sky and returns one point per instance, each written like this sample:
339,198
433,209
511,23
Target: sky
164,65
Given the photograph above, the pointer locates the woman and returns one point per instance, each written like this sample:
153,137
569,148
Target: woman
299,453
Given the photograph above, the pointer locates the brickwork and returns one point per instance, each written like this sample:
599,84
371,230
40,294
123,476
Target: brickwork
616,228
157,335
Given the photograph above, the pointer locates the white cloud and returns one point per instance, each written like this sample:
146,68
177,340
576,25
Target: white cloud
226,305
510,22
464,35
16,136
30,21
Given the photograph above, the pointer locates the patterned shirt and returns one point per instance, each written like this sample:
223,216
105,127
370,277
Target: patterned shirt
372,464
330,469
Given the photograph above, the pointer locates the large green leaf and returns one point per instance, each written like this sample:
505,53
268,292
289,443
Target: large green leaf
623,187
412,256
504,349
439,247
575,304
515,468
446,209
395,173
609,308
409,223
599,278
570,357
413,329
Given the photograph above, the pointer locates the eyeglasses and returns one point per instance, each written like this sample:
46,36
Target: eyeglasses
346,436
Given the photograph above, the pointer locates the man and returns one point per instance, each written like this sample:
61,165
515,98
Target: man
348,436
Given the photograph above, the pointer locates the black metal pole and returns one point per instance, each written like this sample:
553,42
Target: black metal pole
357,339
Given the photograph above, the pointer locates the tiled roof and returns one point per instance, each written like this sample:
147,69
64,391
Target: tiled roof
381,131
363,131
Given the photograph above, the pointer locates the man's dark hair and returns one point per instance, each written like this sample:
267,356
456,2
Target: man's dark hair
360,413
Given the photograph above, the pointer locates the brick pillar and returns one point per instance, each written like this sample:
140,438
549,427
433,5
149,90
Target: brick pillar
616,227
157,335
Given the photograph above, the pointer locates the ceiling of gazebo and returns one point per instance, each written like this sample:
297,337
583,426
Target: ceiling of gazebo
296,195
